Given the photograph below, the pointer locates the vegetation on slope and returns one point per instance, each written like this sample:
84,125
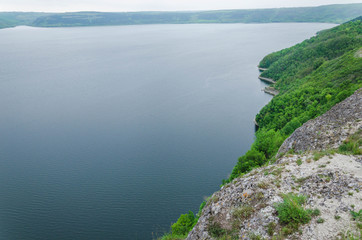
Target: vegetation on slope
330,13
312,77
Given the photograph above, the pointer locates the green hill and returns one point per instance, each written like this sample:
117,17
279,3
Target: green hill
312,77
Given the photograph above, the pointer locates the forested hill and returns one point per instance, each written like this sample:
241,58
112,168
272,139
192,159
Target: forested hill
311,77
330,13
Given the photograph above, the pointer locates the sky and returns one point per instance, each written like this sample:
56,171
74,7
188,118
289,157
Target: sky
154,5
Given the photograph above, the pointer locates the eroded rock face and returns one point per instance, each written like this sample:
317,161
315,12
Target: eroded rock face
328,130
246,207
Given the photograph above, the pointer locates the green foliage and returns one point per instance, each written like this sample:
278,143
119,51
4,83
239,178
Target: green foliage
299,162
312,77
316,212
291,211
268,142
253,158
184,224
357,216
200,208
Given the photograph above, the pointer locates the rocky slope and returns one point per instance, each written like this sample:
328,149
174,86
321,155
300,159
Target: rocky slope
246,208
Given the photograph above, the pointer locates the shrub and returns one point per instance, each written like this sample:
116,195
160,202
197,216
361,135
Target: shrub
184,224
291,211
215,229
246,163
200,209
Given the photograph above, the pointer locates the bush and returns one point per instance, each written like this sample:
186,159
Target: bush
184,224
246,163
291,212
215,230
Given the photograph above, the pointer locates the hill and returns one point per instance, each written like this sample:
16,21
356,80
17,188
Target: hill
13,19
330,13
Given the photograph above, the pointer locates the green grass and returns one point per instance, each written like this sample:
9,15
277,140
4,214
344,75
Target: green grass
352,145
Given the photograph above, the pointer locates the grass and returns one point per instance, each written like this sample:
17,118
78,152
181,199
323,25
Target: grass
349,235
299,162
352,144
271,228
320,220
263,185
243,212
253,236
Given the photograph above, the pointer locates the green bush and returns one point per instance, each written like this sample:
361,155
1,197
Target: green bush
253,158
184,224
291,211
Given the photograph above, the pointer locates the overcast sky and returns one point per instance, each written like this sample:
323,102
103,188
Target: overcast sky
154,5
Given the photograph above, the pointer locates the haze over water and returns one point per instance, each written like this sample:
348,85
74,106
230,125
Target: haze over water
113,132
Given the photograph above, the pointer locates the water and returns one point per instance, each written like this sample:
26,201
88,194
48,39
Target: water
112,132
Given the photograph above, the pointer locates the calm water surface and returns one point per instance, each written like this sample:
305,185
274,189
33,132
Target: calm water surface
112,132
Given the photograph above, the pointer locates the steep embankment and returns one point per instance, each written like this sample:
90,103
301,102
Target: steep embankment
323,188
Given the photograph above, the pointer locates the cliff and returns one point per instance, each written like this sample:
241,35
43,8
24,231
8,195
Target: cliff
323,188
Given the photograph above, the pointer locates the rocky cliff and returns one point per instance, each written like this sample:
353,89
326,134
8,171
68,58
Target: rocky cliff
328,181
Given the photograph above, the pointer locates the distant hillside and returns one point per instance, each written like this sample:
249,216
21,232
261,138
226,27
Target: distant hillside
13,19
330,13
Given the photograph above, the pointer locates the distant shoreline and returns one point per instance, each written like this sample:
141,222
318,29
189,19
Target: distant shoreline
326,14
